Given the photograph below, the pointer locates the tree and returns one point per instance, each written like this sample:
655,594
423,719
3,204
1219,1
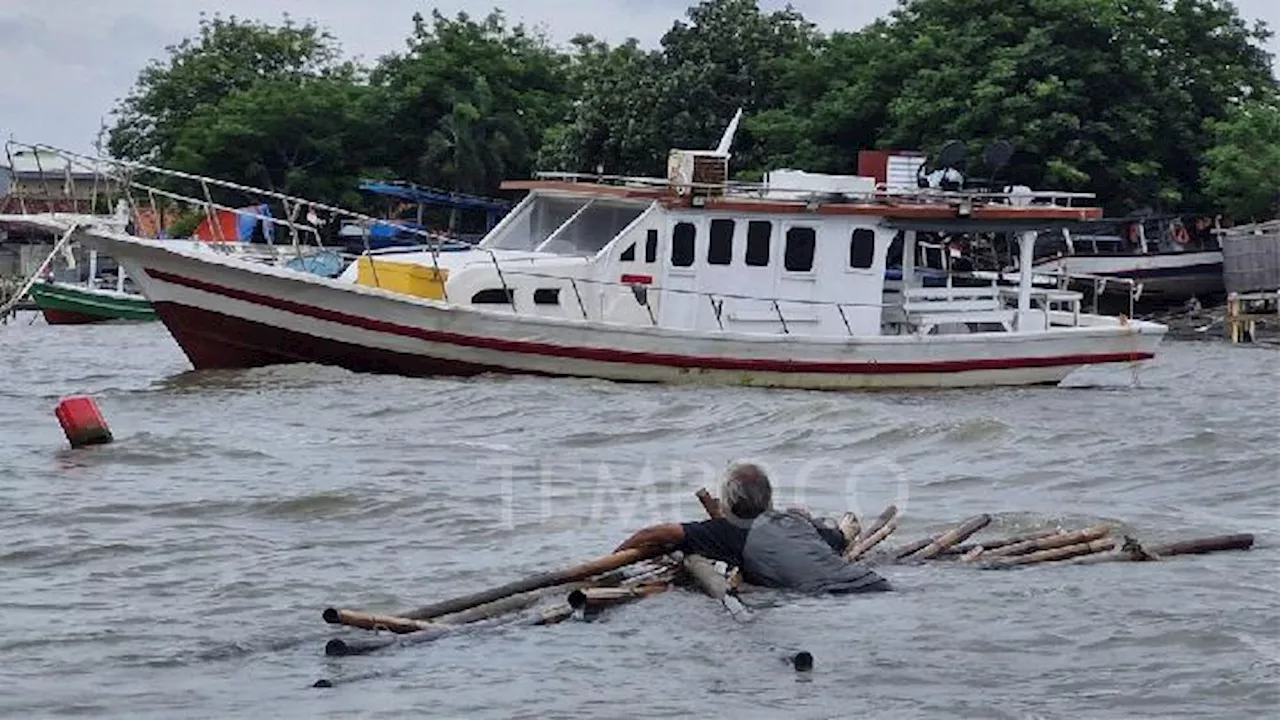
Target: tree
309,138
634,105
1242,168
1099,95
469,101
225,56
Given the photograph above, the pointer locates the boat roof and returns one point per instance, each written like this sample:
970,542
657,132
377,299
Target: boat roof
907,209
410,192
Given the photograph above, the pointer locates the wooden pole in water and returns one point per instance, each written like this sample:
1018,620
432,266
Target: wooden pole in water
865,545
715,585
959,534
596,598
714,509
1205,545
1053,541
989,545
586,570
1060,553
913,548
888,515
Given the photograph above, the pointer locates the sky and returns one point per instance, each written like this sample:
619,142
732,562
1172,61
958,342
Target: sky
67,61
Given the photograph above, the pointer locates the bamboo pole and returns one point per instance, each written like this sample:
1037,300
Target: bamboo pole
576,573
374,621
597,598
1133,551
915,547
964,549
715,585
958,534
1059,553
890,513
865,545
1205,545
550,615
850,528
714,509
1053,541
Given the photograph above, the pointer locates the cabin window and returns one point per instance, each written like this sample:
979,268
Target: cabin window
548,296
862,249
682,244
493,296
799,251
759,233
651,247
629,255
720,248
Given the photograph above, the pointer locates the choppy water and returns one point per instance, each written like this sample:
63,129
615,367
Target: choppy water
181,571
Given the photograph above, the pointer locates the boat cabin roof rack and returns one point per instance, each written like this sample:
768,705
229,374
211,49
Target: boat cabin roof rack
882,194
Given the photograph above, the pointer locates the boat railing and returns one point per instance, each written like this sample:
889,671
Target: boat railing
881,193
125,178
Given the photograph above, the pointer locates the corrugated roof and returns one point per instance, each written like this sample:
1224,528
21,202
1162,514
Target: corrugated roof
33,163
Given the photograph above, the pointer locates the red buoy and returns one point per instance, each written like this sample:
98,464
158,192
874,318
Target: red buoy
83,422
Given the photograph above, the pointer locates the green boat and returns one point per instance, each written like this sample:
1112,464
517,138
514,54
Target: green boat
65,304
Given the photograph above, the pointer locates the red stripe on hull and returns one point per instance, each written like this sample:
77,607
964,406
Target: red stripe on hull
274,348
70,317
213,341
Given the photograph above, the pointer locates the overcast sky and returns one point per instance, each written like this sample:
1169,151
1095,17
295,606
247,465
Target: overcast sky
67,61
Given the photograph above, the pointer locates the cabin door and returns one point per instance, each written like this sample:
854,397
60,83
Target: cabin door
680,297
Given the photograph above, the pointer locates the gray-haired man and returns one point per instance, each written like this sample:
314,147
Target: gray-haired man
773,549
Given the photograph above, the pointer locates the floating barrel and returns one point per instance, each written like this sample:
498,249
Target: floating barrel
82,422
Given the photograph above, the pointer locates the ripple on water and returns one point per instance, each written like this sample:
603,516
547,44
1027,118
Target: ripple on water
185,566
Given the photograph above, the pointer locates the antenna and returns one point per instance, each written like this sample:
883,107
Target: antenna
726,140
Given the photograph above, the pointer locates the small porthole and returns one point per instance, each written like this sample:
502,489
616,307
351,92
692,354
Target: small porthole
492,296
547,296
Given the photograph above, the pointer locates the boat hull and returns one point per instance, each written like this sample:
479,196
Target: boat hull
63,304
229,314
1169,277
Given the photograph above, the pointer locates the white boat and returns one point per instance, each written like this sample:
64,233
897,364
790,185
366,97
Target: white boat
688,278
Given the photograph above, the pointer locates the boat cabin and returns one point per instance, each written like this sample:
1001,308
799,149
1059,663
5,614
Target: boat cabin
800,253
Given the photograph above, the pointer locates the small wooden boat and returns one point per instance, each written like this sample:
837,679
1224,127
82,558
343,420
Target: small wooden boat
68,304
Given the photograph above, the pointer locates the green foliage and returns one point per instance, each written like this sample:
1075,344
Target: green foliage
1242,168
226,55
468,103
1145,102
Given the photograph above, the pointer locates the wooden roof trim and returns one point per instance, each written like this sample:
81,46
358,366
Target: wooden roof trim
888,209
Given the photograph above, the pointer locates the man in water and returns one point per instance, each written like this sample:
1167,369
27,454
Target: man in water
773,549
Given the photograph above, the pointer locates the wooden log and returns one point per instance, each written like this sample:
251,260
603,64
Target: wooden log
550,615
915,547
865,545
597,598
958,534
1053,541
599,566
374,621
1059,553
1133,551
714,509
996,544
850,528
889,513
715,585
973,554
1205,545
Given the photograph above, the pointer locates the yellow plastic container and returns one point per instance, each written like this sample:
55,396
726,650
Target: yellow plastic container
403,278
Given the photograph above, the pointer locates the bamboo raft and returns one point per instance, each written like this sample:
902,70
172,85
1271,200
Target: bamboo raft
593,587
